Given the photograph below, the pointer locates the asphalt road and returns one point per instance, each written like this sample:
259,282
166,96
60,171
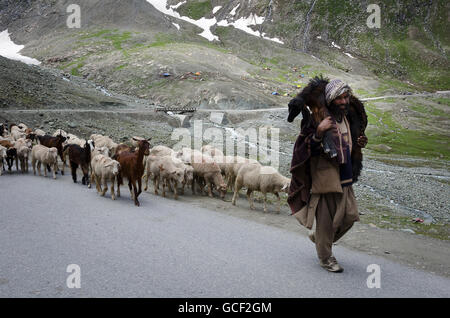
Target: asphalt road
168,248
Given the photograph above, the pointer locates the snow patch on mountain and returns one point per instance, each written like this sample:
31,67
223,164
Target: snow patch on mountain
242,23
203,23
11,50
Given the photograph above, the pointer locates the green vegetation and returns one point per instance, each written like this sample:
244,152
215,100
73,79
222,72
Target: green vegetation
442,100
196,9
390,100
79,63
115,37
401,58
118,39
96,34
404,141
76,70
121,67
26,99
409,47
328,8
214,46
390,85
394,161
163,39
222,32
361,93
273,60
412,56
429,110
383,217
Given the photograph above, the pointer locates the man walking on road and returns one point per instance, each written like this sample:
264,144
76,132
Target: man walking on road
321,185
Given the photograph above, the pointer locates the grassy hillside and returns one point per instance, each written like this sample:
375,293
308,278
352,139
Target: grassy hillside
128,49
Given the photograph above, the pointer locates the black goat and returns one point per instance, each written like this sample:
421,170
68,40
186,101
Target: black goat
80,157
11,156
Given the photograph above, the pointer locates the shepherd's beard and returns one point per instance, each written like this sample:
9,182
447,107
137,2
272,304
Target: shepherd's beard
336,112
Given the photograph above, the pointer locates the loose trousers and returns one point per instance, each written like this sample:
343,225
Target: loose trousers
335,215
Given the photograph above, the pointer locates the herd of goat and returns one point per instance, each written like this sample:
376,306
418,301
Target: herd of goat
107,161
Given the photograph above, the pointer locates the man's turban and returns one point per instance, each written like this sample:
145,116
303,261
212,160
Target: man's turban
334,89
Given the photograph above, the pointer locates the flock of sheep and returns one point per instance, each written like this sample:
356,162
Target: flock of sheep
107,161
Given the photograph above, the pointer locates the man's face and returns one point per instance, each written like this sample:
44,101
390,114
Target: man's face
339,106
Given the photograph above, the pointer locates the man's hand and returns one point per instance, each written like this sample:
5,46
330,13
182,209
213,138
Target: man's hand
324,125
362,141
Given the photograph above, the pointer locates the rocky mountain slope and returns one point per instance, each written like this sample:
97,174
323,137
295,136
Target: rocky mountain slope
130,56
156,51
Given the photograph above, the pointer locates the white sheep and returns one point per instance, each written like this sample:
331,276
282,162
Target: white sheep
164,168
224,162
17,134
103,169
8,138
40,132
230,165
161,150
100,151
185,155
264,179
18,131
22,127
2,156
23,142
60,132
188,155
72,139
46,156
188,175
211,151
23,153
207,172
104,141
23,147
239,162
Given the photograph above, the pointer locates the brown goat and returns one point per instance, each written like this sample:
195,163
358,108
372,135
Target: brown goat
6,143
132,167
122,148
